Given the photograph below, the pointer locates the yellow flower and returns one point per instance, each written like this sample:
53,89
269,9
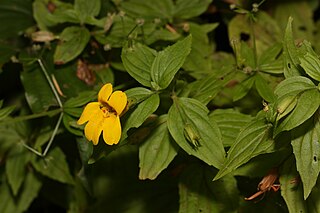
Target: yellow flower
104,115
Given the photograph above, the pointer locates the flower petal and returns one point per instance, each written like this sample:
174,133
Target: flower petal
112,130
118,101
105,93
90,110
93,129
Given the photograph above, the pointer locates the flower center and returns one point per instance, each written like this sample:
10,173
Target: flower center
107,110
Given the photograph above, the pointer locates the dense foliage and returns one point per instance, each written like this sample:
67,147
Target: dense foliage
222,97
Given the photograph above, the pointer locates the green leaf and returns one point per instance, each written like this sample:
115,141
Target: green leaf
189,125
37,90
137,60
266,31
263,88
199,59
148,9
23,200
70,123
122,27
5,112
106,75
230,122
15,16
293,86
307,105
86,9
286,105
261,164
243,88
162,34
82,99
137,95
198,193
271,60
306,150
85,149
291,190
301,13
313,202
63,12
247,57
253,140
157,151
206,89
140,113
7,205
54,166
290,53
168,62
116,177
311,64
73,41
186,9
31,188
16,163
6,52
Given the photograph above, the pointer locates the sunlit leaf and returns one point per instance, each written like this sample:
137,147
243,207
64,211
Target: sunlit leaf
253,139
307,104
306,150
230,123
189,125
311,64
138,59
140,113
293,86
290,53
137,94
168,62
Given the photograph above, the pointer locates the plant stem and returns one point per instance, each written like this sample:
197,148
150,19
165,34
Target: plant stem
33,116
50,83
255,57
53,135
